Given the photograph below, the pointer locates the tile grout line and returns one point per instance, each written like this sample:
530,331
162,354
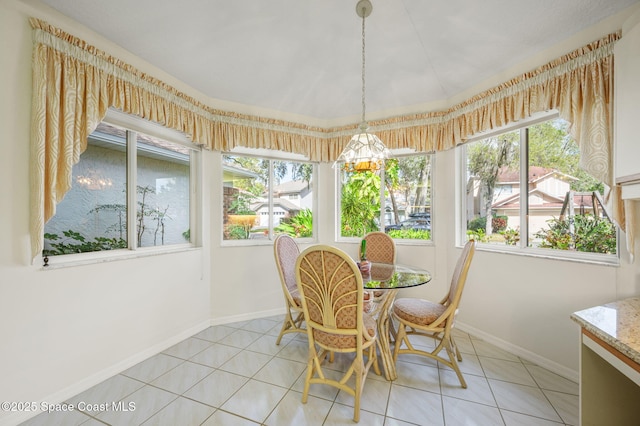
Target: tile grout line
294,340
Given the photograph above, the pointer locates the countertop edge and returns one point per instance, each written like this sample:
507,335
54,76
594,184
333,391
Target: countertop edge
614,342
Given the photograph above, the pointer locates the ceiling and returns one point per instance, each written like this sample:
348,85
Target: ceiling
303,57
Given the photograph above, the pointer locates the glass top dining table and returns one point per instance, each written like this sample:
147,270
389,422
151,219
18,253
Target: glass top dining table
382,284
385,276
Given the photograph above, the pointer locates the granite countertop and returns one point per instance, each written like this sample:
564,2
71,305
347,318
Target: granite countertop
616,323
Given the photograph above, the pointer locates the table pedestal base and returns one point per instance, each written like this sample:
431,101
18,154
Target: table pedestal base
383,320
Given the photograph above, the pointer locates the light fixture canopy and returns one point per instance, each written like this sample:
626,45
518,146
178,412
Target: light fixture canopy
365,151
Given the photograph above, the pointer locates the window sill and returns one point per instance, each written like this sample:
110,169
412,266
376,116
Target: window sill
254,242
82,259
399,242
551,254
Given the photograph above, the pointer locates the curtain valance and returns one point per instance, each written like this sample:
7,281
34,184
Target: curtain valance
75,83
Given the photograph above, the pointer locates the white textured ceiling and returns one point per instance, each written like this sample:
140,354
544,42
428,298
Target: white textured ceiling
303,57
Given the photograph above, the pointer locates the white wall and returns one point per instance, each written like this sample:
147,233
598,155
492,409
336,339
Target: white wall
245,280
64,330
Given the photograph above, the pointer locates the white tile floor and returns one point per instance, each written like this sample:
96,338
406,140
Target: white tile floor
235,374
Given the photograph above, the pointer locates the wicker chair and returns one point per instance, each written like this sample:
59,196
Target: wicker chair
380,248
330,287
426,318
286,251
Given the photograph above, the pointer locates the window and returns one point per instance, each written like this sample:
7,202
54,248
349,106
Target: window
151,190
265,197
525,189
406,196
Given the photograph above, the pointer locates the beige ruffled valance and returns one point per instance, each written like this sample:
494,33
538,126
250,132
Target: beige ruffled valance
75,83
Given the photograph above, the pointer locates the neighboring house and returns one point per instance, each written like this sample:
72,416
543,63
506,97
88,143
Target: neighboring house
406,206
231,174
547,191
389,218
550,181
281,209
298,192
288,199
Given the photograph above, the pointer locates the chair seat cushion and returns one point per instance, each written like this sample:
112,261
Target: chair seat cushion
418,311
344,341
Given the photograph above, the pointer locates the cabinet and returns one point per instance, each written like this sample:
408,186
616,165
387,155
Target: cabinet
609,385
627,108
610,363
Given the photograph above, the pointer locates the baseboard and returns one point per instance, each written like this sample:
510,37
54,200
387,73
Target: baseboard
247,317
553,366
103,375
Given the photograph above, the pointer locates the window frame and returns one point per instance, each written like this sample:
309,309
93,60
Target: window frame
399,241
521,248
135,125
272,156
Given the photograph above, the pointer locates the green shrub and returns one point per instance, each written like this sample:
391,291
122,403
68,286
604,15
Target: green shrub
498,223
511,236
478,235
300,225
410,234
591,234
237,232
74,242
479,223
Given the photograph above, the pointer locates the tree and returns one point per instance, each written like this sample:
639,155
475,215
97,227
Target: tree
486,158
405,177
360,204
143,210
413,172
552,147
121,210
391,181
298,171
260,167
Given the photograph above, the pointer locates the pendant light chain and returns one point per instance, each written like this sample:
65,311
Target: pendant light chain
365,152
363,63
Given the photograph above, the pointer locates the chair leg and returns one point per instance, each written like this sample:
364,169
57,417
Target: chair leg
299,319
307,382
290,324
454,364
445,342
372,355
287,324
282,330
456,350
400,337
313,362
356,397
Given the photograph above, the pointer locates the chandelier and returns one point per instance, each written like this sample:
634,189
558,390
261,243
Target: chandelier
365,151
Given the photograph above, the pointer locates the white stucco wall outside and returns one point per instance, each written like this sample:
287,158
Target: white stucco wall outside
82,209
